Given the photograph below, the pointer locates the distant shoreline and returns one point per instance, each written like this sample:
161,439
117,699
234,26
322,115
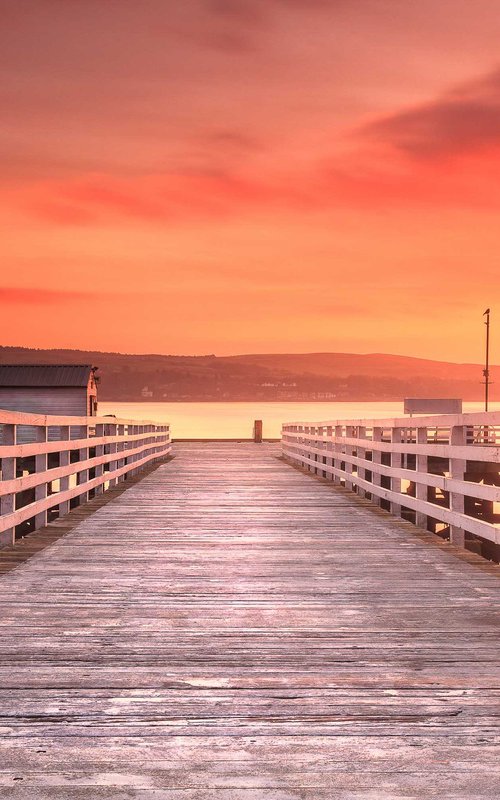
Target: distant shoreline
281,402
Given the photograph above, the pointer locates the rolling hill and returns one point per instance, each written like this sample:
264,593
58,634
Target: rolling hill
287,376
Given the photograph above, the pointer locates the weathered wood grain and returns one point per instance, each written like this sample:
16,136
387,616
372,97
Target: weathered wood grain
231,628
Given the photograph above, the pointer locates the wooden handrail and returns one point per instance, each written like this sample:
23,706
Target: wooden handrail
119,448
45,420
441,420
376,457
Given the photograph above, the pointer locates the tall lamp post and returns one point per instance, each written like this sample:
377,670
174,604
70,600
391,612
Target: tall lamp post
486,370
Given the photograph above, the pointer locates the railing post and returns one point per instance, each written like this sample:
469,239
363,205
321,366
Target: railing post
99,452
329,447
298,454
132,430
142,445
348,452
111,430
396,463
306,447
120,451
457,472
421,488
361,452
376,459
83,475
317,444
64,460
8,501
41,466
311,431
337,449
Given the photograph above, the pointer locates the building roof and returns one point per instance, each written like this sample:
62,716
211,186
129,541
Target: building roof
17,375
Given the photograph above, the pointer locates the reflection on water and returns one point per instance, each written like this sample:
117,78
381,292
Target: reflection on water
233,420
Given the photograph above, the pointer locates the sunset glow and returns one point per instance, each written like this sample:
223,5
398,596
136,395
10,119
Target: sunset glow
231,176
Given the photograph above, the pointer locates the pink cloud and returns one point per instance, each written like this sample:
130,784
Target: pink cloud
364,179
97,198
462,120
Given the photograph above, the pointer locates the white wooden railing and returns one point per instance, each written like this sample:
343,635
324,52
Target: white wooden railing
437,471
52,463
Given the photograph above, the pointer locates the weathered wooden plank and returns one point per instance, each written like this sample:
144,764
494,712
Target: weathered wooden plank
230,628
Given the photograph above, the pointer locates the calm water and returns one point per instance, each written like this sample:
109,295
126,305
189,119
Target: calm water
232,420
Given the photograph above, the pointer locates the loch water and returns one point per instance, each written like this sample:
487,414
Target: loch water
235,420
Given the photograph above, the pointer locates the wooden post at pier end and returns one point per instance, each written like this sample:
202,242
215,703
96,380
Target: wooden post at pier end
257,431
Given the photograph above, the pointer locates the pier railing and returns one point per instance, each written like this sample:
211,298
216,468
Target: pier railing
440,472
50,464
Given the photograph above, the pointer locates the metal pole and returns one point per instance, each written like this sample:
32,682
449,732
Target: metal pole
486,370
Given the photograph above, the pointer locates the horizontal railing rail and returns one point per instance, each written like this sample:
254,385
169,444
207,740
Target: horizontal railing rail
440,472
49,464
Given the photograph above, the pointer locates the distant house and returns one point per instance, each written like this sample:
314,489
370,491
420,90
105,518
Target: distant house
62,389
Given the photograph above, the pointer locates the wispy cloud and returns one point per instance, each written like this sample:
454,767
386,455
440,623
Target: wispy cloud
462,120
236,25
359,181
249,12
15,295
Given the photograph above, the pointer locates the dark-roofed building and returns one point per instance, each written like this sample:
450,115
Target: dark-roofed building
62,389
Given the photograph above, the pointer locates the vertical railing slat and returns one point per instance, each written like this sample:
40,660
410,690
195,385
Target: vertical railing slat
457,472
8,502
41,468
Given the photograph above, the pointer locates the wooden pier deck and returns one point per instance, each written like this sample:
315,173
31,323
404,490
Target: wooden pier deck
231,629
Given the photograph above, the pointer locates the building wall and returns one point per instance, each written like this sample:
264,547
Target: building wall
65,401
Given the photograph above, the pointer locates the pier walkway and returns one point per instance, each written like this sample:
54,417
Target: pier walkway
229,628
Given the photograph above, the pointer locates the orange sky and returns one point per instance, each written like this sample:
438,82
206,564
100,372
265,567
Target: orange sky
236,176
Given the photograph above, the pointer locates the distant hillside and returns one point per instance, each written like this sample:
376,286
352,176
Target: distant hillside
341,365
302,376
